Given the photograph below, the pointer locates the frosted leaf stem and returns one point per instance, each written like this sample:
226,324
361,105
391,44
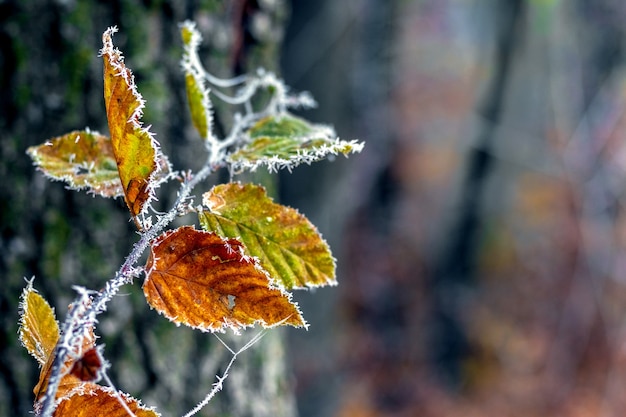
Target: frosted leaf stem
82,314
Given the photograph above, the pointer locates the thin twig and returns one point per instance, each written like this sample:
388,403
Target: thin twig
219,385
87,306
76,320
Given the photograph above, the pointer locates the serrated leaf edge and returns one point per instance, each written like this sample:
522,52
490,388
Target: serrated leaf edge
332,146
235,327
330,282
303,156
68,179
92,389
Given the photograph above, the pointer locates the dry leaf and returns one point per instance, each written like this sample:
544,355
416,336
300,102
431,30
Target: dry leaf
95,400
204,281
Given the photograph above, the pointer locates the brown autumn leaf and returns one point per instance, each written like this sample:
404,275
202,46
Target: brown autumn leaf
71,380
204,281
76,394
95,400
88,367
139,160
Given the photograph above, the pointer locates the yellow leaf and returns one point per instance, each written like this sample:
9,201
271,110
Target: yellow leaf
39,330
204,281
197,93
136,151
198,104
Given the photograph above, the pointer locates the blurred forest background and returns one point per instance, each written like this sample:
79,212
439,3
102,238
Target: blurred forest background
480,237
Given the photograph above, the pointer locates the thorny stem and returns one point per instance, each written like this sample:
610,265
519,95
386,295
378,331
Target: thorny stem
83,313
82,316
79,321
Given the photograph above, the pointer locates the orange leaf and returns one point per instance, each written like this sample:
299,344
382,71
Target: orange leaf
95,400
204,281
69,383
137,155
76,394
72,379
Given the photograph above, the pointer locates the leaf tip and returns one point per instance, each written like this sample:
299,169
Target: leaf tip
189,34
107,40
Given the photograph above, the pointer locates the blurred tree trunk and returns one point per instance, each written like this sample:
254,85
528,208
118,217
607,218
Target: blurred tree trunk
51,83
455,272
485,260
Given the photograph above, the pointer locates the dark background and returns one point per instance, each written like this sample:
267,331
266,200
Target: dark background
479,236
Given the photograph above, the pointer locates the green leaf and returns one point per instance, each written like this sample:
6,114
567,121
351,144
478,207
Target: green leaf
197,94
287,245
286,141
198,104
83,159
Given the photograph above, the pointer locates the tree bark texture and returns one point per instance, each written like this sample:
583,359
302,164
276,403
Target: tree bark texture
51,83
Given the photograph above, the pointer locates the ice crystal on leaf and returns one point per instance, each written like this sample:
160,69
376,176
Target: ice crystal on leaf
285,141
233,274
140,163
289,247
204,281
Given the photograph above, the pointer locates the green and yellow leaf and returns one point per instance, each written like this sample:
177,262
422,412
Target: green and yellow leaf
197,93
286,141
139,161
206,282
82,159
287,245
196,97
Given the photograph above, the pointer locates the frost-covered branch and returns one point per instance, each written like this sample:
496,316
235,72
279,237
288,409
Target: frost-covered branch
88,304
